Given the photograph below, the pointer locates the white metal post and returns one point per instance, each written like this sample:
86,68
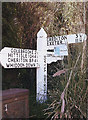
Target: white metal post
42,70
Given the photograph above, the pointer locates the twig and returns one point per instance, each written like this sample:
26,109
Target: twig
52,103
63,93
56,68
48,109
49,76
72,71
80,111
32,116
83,55
50,115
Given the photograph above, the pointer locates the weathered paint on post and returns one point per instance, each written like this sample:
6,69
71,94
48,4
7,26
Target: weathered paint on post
42,71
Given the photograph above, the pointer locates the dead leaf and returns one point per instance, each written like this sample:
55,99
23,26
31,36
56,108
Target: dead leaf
60,72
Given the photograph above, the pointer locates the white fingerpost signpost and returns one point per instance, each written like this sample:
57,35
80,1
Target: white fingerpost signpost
26,58
19,58
65,39
42,70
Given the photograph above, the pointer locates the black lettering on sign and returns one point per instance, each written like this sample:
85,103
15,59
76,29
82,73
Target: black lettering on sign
47,43
76,40
44,69
44,78
15,65
59,38
50,43
44,91
76,35
65,37
55,39
44,59
62,37
27,64
29,51
44,87
9,65
8,59
13,60
21,55
44,63
55,42
60,41
11,50
16,54
29,60
32,60
25,55
50,39
32,51
25,60
80,39
34,64
10,55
